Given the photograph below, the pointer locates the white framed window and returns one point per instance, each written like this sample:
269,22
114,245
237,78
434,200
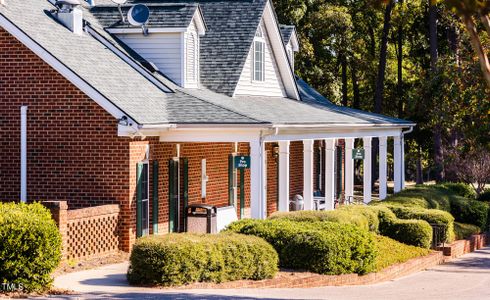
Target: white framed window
258,67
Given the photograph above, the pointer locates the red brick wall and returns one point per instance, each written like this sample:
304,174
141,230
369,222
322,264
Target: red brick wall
295,168
272,178
72,141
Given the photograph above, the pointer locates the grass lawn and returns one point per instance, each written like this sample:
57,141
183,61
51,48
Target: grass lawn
392,252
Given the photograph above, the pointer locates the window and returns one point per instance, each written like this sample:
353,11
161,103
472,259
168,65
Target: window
142,208
259,56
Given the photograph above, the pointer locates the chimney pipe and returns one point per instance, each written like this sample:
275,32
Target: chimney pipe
70,14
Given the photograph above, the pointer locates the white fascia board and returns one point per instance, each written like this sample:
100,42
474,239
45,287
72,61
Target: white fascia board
294,40
200,24
279,51
63,70
221,135
332,133
150,30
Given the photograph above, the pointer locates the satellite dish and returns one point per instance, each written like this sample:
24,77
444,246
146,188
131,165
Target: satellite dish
138,15
120,2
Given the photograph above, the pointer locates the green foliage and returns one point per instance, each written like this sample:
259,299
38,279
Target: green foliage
484,196
393,252
425,196
321,247
411,232
460,189
177,259
470,211
30,246
432,216
463,231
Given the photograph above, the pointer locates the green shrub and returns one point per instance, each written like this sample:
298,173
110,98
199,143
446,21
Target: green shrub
394,252
432,216
321,247
470,211
463,231
424,196
411,232
30,246
484,196
460,189
177,259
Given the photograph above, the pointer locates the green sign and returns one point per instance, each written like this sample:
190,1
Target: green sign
358,154
242,162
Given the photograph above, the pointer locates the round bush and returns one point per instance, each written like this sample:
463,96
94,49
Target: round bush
30,246
460,189
177,259
484,196
432,216
470,211
411,232
321,247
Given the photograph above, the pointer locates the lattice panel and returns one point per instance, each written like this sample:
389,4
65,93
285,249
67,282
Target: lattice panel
92,236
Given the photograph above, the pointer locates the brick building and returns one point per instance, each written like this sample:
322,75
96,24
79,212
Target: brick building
97,110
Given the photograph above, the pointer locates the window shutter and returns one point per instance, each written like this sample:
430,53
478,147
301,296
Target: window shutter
139,190
185,179
155,197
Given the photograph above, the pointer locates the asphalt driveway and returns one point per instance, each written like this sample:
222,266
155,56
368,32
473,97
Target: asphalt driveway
465,278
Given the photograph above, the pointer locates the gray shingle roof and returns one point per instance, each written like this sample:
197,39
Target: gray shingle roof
286,31
161,15
231,26
117,81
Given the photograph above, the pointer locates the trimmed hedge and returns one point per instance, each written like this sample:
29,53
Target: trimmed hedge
411,232
177,259
432,216
30,246
463,231
460,189
320,247
470,211
394,252
485,195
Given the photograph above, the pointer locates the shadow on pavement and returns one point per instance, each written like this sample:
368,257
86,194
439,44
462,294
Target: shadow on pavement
156,296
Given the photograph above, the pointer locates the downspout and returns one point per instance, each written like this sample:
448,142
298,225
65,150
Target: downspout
23,154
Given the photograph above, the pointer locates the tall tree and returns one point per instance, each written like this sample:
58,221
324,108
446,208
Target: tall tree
399,56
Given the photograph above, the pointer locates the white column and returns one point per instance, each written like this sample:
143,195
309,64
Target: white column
403,162
23,153
382,167
349,168
329,174
284,176
257,202
367,144
397,168
308,173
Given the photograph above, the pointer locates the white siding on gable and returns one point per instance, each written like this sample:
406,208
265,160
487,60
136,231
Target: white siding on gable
272,84
162,49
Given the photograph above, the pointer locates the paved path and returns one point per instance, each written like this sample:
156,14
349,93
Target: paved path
465,278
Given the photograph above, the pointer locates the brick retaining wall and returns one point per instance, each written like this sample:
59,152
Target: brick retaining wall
461,247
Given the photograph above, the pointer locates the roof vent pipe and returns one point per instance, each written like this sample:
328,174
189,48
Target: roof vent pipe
2,2
70,14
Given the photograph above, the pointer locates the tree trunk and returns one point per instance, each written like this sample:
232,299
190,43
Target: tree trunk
343,64
486,23
356,103
476,43
378,96
420,175
400,69
433,35
438,154
453,39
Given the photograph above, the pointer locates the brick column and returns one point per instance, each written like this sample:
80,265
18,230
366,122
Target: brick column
59,212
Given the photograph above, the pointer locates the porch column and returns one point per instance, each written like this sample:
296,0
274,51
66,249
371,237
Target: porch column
403,161
257,196
367,144
283,176
349,168
308,173
329,174
382,167
397,168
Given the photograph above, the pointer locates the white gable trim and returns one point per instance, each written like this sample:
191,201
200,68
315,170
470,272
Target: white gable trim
199,19
279,53
66,72
293,39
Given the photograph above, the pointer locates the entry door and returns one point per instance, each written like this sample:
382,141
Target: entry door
142,200
178,193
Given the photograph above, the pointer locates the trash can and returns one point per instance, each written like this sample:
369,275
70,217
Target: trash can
201,218
297,203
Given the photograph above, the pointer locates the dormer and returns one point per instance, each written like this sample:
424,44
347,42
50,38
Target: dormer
290,39
171,41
